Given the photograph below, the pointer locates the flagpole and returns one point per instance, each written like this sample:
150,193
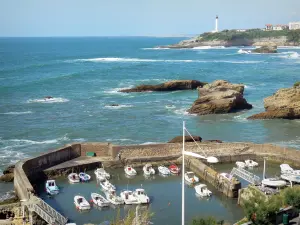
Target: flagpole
182,182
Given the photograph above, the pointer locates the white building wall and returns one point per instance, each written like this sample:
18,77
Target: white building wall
294,25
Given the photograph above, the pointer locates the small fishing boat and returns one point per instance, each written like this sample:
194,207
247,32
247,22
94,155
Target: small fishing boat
226,176
202,190
148,170
112,197
190,177
251,163
101,174
73,178
289,174
129,198
106,185
81,203
240,164
273,182
163,170
141,196
51,187
174,169
84,177
129,170
99,200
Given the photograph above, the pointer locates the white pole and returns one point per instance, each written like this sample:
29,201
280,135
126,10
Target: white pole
182,182
264,172
216,24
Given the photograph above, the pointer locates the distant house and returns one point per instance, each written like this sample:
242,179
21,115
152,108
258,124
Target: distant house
269,27
280,27
294,25
241,30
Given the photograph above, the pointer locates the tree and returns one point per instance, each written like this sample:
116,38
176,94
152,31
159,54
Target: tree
206,221
293,36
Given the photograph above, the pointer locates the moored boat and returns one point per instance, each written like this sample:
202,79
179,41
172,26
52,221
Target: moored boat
129,198
73,178
273,182
106,185
99,200
141,196
51,187
148,170
81,203
101,174
250,163
240,164
174,169
202,190
129,170
190,177
163,170
112,197
84,177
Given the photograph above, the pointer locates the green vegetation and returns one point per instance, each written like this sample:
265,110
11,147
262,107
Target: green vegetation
144,217
297,84
206,221
232,35
261,209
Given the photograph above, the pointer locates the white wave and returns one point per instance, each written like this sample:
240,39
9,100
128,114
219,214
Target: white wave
290,55
16,113
47,100
249,87
150,143
241,118
117,106
161,60
288,47
170,106
183,111
209,47
242,51
155,48
79,140
117,90
119,140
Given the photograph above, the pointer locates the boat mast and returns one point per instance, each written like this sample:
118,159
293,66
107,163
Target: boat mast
264,172
182,175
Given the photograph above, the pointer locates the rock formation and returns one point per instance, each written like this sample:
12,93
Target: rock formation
8,174
167,86
220,97
266,49
284,104
178,139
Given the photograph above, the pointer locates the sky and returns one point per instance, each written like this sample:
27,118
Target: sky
139,17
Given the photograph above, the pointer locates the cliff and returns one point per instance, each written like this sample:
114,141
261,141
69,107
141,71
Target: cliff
252,37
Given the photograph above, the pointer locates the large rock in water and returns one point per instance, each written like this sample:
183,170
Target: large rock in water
220,97
167,86
178,139
284,104
266,49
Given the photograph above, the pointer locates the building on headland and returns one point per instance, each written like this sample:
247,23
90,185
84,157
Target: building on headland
216,25
294,25
276,27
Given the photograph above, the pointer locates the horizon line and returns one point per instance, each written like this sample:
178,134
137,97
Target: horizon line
75,36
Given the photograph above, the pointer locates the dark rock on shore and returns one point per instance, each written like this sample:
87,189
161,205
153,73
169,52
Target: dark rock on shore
220,97
266,49
284,104
178,139
9,169
174,85
8,174
114,105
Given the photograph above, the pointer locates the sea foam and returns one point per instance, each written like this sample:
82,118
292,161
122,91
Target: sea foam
48,100
17,113
117,106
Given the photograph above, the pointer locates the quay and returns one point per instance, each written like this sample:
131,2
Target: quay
72,157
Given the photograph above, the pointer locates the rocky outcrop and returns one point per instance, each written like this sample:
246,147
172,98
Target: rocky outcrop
178,139
167,86
284,104
266,49
220,97
8,174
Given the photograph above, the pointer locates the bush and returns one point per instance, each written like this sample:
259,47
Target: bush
291,196
297,84
206,221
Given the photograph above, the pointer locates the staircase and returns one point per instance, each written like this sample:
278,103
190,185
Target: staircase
246,175
45,211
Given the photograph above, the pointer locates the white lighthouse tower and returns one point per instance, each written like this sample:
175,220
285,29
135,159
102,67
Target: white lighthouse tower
216,29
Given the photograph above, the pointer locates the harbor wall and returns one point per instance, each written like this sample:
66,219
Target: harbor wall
99,148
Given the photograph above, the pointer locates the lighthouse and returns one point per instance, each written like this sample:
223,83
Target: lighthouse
216,29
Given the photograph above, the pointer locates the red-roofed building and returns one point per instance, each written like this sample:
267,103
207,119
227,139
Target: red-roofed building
269,27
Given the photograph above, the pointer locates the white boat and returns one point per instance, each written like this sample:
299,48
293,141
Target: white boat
201,189
141,196
81,203
129,170
190,177
106,185
101,174
73,178
226,176
112,197
251,163
51,187
129,198
163,170
240,164
289,174
84,177
148,170
273,182
99,200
